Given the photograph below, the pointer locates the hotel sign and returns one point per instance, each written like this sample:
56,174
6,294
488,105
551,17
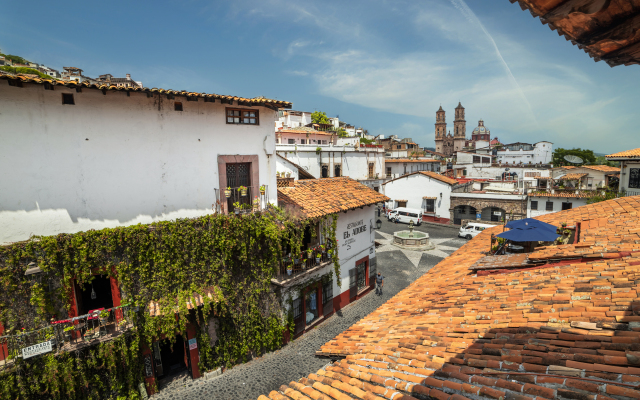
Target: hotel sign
36,349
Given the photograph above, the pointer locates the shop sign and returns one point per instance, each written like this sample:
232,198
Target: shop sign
497,213
193,344
353,229
36,349
148,366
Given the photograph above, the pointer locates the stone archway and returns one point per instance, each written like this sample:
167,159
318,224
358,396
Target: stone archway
514,208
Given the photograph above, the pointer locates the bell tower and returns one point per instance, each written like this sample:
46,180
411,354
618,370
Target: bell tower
459,129
441,129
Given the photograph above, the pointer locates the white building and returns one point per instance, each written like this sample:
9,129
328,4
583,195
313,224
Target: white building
594,176
396,167
425,190
525,153
363,163
312,287
629,170
90,158
541,203
472,159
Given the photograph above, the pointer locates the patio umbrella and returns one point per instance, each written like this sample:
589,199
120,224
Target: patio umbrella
529,234
530,222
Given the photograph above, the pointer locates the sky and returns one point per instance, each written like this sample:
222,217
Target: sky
382,65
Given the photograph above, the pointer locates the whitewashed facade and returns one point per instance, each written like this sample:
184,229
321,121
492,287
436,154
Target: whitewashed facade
516,153
541,205
413,188
396,167
118,158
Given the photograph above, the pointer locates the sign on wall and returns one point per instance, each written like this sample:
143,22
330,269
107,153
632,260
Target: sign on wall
193,344
148,366
36,349
478,215
353,229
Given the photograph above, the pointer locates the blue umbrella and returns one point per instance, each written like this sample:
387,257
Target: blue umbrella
529,234
530,222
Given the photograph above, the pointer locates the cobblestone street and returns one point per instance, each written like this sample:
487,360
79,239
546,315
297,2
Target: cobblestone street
260,376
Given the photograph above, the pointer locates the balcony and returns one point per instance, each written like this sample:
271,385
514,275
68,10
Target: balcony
235,200
293,268
68,335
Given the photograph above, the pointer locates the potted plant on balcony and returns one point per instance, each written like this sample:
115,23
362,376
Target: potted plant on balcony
322,249
243,190
256,204
263,189
67,332
304,264
318,258
309,253
104,314
236,207
289,268
288,174
227,192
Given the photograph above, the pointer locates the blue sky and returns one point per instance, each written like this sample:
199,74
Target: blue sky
383,65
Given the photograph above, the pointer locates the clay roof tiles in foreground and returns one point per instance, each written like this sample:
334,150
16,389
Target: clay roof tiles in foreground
635,153
564,330
256,101
603,168
318,197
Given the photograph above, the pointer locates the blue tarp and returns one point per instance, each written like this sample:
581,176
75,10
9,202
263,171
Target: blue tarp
529,234
530,222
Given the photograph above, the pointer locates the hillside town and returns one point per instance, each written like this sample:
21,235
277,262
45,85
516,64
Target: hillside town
179,244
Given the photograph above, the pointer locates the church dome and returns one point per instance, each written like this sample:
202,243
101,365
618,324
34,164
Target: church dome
480,129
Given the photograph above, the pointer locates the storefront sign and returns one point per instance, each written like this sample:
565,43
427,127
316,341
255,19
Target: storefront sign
355,228
36,349
478,215
193,344
497,213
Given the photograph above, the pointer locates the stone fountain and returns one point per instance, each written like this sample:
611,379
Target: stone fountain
411,240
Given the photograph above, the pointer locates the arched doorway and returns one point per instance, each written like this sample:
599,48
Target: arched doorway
463,212
494,214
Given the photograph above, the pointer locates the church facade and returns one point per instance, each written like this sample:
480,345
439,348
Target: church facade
449,144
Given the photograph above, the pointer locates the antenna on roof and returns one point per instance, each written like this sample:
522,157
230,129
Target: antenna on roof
573,159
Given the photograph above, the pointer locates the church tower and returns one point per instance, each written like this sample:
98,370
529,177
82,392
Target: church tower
459,129
441,130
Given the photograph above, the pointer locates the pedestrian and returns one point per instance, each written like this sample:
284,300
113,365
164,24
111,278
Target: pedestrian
379,284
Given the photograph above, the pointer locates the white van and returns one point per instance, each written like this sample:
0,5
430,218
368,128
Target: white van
406,215
471,229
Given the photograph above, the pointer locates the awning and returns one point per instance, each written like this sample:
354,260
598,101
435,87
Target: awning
529,234
530,222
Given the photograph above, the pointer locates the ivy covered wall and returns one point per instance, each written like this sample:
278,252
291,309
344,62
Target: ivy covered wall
165,262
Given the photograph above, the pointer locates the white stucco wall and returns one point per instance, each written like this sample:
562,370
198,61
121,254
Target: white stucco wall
114,159
625,175
284,166
414,187
355,164
542,153
402,168
557,205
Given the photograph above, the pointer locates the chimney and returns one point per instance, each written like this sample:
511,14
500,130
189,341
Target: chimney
128,77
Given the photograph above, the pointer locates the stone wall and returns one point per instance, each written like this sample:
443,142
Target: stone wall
515,208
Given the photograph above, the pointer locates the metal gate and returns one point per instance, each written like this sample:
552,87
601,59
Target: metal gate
238,174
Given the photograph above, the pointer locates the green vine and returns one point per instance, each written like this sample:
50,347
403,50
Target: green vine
227,261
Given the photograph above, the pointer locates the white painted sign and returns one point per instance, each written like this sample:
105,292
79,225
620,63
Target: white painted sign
497,213
36,349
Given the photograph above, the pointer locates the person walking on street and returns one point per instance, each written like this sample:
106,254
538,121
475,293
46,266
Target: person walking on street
379,283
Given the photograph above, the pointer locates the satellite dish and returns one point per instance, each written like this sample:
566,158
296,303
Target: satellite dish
573,159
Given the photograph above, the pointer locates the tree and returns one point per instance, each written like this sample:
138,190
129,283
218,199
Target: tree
602,160
558,156
319,117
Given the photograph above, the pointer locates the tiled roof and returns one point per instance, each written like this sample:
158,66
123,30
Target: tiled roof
565,167
256,101
430,174
582,194
568,329
318,197
635,153
404,160
572,177
604,168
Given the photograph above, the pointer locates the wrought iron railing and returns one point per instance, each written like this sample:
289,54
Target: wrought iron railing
67,335
238,201
292,266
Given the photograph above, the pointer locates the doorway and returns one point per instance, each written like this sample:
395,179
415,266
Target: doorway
94,295
170,359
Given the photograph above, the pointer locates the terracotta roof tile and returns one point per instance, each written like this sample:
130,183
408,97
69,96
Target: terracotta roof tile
568,330
318,197
430,174
256,101
571,177
604,168
582,194
635,153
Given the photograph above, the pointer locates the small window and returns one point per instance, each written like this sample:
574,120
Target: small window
303,141
534,204
297,308
549,206
48,86
67,98
337,170
291,141
177,106
242,116
325,171
430,205
567,205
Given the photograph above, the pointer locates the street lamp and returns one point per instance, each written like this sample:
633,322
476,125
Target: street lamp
378,224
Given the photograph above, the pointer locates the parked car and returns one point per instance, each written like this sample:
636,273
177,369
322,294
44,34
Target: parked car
406,215
471,229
